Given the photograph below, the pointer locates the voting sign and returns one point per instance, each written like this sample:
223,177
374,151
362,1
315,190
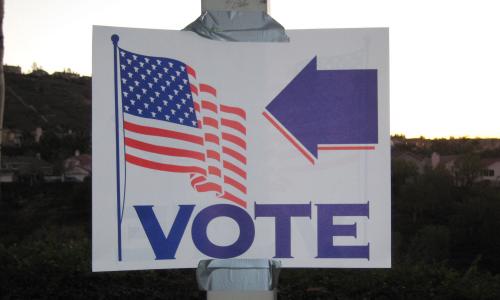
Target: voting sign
207,149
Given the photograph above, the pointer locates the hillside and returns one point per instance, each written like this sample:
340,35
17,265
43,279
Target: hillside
52,102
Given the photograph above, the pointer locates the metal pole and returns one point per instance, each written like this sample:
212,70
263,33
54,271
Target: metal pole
2,79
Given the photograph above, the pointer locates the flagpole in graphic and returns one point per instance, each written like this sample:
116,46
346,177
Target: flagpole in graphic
115,38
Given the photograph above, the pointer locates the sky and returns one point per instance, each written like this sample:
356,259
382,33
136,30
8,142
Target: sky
444,54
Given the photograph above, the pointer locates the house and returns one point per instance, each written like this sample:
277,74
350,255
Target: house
12,69
78,167
26,168
12,137
491,170
7,176
418,160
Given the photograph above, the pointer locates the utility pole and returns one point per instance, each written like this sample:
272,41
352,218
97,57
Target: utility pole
2,79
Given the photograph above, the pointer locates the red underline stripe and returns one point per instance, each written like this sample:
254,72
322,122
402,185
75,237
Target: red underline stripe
233,198
346,148
163,133
234,154
163,167
234,110
306,154
234,139
208,89
234,125
163,150
235,184
232,167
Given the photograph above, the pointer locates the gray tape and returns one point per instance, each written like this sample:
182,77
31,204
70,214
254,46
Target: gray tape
238,26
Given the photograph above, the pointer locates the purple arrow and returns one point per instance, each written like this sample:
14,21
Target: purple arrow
329,107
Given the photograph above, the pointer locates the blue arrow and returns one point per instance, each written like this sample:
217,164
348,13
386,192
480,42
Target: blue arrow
329,107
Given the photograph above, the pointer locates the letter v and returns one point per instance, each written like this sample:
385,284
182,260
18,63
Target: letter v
164,247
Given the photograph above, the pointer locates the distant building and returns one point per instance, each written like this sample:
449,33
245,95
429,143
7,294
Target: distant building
12,69
12,137
78,167
37,134
7,176
491,170
66,75
418,160
27,166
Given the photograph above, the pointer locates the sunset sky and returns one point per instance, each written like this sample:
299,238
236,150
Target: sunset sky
445,55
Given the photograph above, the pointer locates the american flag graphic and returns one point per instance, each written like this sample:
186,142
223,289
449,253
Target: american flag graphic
173,123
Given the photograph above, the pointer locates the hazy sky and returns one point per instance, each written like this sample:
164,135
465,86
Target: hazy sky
445,54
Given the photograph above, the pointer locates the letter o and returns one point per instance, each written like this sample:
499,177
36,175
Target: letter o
203,243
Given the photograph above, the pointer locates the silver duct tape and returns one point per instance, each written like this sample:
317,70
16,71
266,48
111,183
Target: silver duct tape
254,5
238,26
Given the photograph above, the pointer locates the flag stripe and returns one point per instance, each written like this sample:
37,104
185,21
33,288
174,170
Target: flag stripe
232,167
234,125
190,71
209,187
164,150
194,89
212,138
162,132
205,104
235,184
163,167
214,171
211,122
208,89
234,139
234,199
197,180
234,154
213,155
234,110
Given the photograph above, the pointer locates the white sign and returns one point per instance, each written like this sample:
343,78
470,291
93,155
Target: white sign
208,149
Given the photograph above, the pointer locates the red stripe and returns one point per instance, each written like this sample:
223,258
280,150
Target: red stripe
214,171
212,138
234,139
234,110
235,184
194,89
305,153
235,155
163,167
346,148
233,198
234,124
191,71
208,89
209,187
213,155
164,150
235,169
197,180
211,122
209,105
163,133
197,106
